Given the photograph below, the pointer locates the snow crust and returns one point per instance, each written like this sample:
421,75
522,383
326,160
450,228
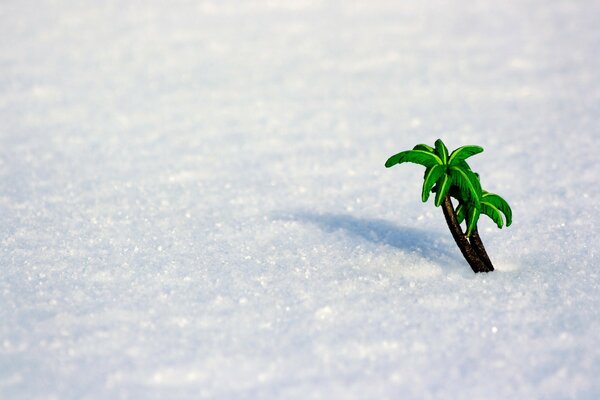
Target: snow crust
193,202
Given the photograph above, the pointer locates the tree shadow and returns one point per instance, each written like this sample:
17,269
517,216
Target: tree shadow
426,244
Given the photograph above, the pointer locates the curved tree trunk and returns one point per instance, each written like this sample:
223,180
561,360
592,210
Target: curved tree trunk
461,240
480,249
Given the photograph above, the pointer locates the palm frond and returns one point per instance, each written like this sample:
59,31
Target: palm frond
493,213
441,150
460,213
424,147
463,152
468,185
431,177
499,203
473,213
420,157
443,186
474,178
464,165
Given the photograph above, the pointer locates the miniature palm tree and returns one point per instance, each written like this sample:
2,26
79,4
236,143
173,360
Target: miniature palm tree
449,175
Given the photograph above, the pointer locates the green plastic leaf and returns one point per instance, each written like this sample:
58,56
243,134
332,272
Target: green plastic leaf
420,157
499,203
431,177
460,213
441,150
493,213
463,164
443,186
473,213
467,183
424,147
463,152
474,178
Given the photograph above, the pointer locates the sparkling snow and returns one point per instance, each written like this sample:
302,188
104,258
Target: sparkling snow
193,202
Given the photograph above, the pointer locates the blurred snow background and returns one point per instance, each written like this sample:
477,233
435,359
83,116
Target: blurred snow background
193,202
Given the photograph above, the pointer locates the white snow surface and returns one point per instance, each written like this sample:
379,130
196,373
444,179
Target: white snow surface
193,202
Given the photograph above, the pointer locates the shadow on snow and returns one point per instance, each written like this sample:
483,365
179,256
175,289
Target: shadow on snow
427,244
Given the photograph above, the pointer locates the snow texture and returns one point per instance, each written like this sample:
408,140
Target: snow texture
193,202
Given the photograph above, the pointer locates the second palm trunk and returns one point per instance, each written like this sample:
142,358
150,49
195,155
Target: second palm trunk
473,250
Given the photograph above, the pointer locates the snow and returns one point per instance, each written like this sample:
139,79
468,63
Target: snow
193,202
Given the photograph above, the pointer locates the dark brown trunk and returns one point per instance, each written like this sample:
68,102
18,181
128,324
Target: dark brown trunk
467,250
480,249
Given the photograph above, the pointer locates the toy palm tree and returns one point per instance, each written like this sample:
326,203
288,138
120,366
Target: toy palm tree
448,175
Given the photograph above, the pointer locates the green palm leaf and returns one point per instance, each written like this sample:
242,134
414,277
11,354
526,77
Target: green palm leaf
463,152
489,208
420,157
463,164
431,177
441,150
474,178
469,212
473,213
493,213
467,183
460,213
443,186
424,147
499,203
